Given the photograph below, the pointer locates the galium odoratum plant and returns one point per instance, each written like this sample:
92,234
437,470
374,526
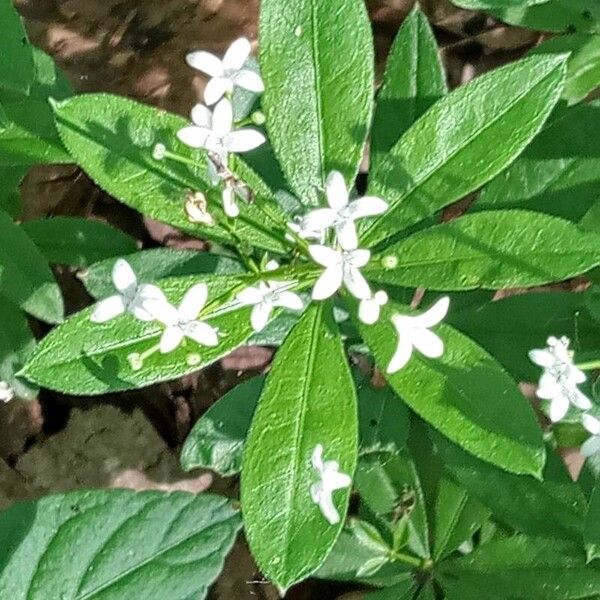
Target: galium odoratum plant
307,261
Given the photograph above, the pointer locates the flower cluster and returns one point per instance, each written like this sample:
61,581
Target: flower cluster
559,383
330,480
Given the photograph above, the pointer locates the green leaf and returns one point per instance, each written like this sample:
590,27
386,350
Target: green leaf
400,591
389,485
26,278
558,173
591,220
554,507
413,80
49,81
383,418
155,264
76,241
85,358
112,139
527,320
463,140
16,345
309,399
592,525
465,394
317,64
16,60
521,568
115,544
583,66
10,194
569,16
481,250
217,439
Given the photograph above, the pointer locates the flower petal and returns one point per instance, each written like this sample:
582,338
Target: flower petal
336,191
591,446
591,423
124,278
403,351
193,136
580,400
108,309
318,219
346,235
193,302
548,387
222,118
368,311
427,343
290,300
356,284
360,257
367,206
206,62
260,316
325,256
317,458
250,296
171,338
542,358
230,207
576,375
162,311
559,407
328,283
237,54
202,333
244,140
433,315
201,116
215,89
334,480
327,507
146,292
249,80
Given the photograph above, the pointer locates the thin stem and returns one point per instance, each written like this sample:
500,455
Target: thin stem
413,561
589,366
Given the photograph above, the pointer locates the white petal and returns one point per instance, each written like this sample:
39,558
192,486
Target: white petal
206,62
249,80
559,407
381,297
325,256
171,338
202,333
328,283
124,278
346,235
250,296
316,491
402,354
244,140
368,206
318,219
149,291
317,457
146,292
328,509
108,309
260,316
215,89
193,302
336,191
230,206
237,54
289,300
222,118
334,480
213,174
548,387
162,311
427,343
433,315
194,137
576,375
368,311
580,400
591,423
542,358
201,116
359,258
356,284
591,446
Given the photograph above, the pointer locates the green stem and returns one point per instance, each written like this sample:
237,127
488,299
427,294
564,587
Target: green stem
413,561
589,366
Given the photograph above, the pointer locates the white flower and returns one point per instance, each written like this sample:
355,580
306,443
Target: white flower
214,132
6,392
341,213
226,73
330,481
560,378
131,297
592,445
300,227
182,322
369,309
413,332
265,297
341,267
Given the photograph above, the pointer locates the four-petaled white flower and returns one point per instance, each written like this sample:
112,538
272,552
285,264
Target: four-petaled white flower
227,73
182,322
341,267
330,480
265,297
369,309
591,446
341,213
6,392
413,332
214,132
131,297
560,378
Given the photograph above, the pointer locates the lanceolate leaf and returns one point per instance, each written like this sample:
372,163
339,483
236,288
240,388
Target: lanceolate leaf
414,79
592,525
482,251
10,194
558,173
113,138
16,60
81,357
464,140
317,63
115,544
309,399
465,394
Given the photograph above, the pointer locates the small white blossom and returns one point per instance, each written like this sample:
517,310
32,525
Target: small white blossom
265,297
413,332
227,73
592,445
214,132
341,213
341,267
300,227
330,480
369,309
131,297
560,378
182,322
6,392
